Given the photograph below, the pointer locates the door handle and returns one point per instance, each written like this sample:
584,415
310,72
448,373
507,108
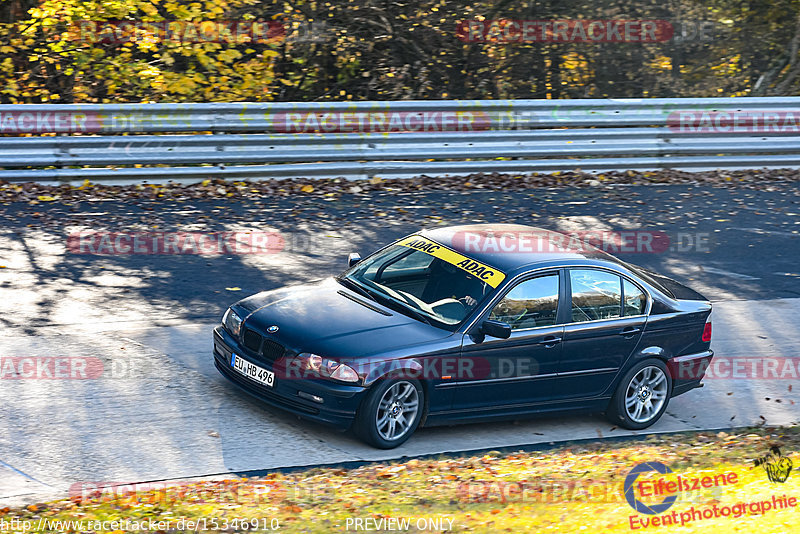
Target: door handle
550,341
630,330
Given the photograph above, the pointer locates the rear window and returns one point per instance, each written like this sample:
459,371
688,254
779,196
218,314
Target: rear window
670,287
680,291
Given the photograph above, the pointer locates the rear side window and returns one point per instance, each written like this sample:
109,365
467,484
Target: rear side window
529,304
635,299
596,295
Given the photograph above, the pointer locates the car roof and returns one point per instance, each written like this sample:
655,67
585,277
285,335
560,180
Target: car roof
511,247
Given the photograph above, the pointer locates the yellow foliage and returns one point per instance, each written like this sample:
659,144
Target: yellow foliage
662,63
101,62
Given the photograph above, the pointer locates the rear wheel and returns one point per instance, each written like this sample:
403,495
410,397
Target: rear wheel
642,396
390,413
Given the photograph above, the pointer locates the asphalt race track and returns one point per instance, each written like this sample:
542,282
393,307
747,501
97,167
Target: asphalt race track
160,410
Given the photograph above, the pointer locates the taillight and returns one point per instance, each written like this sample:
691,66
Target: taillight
707,330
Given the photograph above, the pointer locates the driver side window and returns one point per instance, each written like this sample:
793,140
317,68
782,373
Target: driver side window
529,304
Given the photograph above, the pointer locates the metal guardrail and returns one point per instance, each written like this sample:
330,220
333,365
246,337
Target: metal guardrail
393,139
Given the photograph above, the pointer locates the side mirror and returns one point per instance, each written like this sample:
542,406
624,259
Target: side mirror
496,329
353,258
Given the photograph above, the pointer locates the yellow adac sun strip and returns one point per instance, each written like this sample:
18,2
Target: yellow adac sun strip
490,275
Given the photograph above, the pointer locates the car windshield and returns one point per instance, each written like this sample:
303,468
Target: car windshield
419,284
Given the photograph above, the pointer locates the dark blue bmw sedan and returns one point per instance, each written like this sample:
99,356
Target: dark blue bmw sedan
466,324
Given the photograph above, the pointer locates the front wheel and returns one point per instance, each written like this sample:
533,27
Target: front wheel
642,396
390,413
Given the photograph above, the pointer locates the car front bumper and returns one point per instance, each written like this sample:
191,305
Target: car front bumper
339,401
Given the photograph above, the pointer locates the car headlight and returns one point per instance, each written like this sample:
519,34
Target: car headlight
232,322
316,365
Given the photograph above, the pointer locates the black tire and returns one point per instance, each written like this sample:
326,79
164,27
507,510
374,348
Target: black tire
628,398
367,419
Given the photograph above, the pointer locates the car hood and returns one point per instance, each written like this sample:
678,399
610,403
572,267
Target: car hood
328,319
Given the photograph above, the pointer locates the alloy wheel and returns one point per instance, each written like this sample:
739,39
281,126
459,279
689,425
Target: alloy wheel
646,394
397,410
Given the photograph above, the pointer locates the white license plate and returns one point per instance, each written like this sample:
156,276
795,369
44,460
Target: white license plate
252,371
